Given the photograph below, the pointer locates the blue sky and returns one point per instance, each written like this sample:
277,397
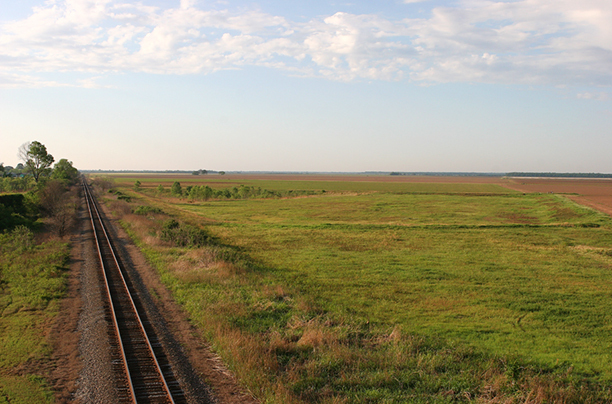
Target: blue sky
475,85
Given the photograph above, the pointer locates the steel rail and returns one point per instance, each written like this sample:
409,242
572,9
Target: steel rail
128,371
108,292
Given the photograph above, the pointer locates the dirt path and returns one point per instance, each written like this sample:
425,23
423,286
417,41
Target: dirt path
64,337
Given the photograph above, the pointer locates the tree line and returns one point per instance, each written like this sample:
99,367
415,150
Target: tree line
35,190
205,193
34,168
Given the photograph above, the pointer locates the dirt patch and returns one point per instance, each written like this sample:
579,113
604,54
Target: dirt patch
64,336
594,193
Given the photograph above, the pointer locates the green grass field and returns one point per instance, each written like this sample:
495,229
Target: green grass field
367,184
378,292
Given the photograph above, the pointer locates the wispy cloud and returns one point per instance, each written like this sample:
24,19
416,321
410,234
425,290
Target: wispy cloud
10,80
599,96
538,42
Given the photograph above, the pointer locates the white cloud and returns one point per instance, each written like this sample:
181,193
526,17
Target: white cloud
8,80
541,42
599,96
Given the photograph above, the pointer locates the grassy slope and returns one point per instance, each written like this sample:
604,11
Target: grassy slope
31,284
389,297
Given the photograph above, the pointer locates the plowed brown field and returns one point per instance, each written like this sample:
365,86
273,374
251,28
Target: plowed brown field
595,193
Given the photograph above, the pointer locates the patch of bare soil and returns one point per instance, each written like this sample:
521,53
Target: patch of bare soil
594,193
64,336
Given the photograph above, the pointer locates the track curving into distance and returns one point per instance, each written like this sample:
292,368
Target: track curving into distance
142,371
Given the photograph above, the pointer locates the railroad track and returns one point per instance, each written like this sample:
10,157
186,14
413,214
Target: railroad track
142,370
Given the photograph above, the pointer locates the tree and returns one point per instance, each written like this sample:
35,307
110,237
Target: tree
59,204
36,159
176,189
103,183
64,171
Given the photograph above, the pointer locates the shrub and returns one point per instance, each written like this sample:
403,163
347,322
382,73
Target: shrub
103,183
17,209
20,239
17,184
120,195
145,210
184,235
176,189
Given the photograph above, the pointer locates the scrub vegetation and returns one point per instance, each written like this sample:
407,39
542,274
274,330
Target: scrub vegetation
32,281
393,293
33,268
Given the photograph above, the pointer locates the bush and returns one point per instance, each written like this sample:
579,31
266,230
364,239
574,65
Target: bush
17,184
20,239
120,195
176,189
60,204
184,235
242,192
16,210
103,183
145,210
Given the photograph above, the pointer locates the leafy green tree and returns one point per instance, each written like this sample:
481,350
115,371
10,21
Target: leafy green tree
37,160
137,184
65,171
176,189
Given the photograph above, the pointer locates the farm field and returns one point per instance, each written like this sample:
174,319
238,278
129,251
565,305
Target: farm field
403,290
596,193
